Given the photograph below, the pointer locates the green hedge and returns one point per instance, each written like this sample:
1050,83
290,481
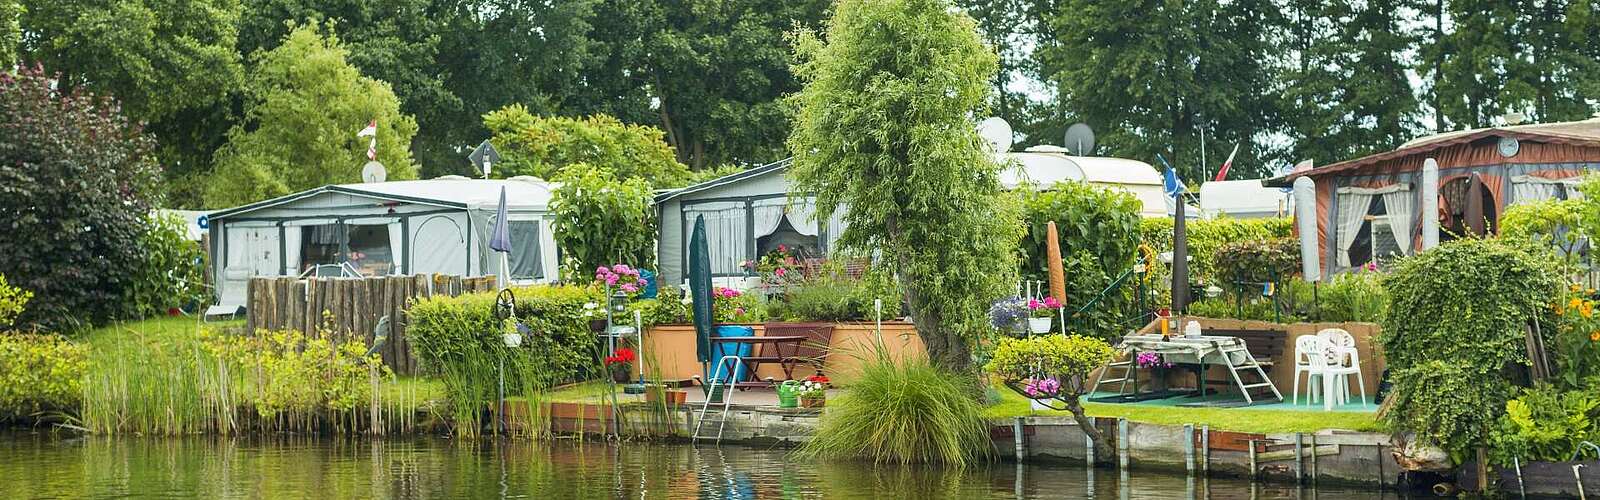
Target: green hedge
39,373
1207,235
1098,230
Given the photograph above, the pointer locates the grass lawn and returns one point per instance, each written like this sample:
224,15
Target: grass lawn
1249,419
162,328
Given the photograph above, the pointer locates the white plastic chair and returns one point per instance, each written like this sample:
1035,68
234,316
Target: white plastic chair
1310,358
1345,361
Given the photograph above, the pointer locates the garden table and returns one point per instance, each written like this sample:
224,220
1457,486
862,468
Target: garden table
1200,351
785,350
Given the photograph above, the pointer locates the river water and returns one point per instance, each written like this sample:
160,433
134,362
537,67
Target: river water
46,466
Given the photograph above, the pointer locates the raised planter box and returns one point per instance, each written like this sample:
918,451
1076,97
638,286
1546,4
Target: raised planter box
669,350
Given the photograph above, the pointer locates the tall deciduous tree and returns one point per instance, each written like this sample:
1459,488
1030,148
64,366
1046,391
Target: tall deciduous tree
171,63
1149,75
304,105
1347,94
544,146
885,127
10,32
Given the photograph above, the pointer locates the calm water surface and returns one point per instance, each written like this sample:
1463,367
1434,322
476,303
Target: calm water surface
44,466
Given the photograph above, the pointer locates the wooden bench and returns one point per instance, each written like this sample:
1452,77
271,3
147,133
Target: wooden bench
1265,345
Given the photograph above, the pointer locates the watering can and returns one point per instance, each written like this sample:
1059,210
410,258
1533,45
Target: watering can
789,394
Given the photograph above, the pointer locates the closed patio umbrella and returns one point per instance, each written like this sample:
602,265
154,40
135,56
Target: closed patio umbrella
500,241
700,291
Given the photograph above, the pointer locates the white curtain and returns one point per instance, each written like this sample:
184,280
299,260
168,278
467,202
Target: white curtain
1353,206
1400,204
768,215
803,216
291,249
835,228
1526,188
726,234
397,248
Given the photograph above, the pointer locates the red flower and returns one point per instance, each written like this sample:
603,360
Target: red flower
820,379
623,355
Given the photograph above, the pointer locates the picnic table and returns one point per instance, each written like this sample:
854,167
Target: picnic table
1199,352
785,350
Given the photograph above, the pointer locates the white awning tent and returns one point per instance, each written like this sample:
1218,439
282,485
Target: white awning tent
1043,166
404,227
1245,199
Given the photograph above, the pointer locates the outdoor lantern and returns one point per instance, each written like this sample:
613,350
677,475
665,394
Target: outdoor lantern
1213,291
512,340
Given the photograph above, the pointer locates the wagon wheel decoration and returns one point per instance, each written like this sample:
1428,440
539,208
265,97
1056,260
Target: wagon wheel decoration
505,305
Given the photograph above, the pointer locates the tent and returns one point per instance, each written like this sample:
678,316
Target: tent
1245,199
749,213
387,228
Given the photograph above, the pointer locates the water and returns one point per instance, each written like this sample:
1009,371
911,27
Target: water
43,466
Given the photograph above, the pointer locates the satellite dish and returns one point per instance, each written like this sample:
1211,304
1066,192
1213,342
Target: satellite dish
373,172
1079,140
995,130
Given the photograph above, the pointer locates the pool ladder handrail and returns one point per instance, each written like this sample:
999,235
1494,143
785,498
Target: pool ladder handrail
735,365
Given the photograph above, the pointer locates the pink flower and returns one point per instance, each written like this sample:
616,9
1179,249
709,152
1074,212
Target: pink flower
1034,304
611,279
739,311
629,287
788,260
1052,303
601,270
780,272
782,248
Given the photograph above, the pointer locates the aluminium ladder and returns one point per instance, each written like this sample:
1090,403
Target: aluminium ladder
735,364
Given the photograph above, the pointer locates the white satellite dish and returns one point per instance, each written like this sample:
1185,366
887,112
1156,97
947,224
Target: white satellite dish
373,172
1079,140
997,132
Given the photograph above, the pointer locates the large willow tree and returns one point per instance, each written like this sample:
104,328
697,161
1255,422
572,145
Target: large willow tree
885,128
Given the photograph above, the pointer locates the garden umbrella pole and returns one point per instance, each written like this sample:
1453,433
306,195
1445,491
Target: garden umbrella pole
500,241
700,294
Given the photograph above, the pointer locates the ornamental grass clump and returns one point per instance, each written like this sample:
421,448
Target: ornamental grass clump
903,412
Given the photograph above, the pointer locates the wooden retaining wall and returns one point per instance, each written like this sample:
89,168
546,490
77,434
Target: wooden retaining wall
354,306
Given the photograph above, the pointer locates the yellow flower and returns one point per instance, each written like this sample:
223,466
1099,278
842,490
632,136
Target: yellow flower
1595,337
1576,287
1574,303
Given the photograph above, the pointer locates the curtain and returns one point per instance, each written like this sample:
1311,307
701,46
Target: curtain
803,216
291,247
726,236
1525,188
1400,204
1353,206
396,247
768,215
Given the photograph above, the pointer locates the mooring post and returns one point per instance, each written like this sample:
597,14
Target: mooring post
1122,443
1188,449
1253,468
1016,431
1521,490
1088,445
1314,459
1299,458
1205,449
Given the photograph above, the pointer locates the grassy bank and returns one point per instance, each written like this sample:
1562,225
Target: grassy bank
1258,420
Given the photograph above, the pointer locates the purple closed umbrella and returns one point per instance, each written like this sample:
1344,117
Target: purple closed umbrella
500,240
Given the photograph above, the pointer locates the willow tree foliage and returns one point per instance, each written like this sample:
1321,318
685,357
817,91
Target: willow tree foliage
304,105
545,146
885,127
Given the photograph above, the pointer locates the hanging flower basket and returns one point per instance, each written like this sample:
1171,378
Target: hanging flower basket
1039,325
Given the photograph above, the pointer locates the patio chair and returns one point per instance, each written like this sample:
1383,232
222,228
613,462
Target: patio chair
1310,358
1344,360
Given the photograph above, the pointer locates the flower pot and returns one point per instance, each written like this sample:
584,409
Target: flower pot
1039,325
671,397
813,401
621,374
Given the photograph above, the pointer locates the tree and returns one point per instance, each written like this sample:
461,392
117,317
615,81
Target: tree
170,63
1150,75
1347,93
304,105
545,146
885,126
77,179
10,32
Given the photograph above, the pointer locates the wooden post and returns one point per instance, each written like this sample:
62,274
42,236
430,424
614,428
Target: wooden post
1122,444
1016,438
1188,449
1299,456
1205,450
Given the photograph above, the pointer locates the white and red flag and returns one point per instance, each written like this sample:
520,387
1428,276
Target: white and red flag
1222,174
372,145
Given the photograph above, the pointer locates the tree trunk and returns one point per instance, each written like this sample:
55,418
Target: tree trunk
1102,448
946,349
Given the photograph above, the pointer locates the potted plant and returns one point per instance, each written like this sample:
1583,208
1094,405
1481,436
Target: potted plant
1042,312
620,364
1010,315
814,391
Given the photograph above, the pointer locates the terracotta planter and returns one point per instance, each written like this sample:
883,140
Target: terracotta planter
671,397
813,402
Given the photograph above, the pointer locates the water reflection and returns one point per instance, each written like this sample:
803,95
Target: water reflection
41,466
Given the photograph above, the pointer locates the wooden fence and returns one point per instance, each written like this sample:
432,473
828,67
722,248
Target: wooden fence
354,306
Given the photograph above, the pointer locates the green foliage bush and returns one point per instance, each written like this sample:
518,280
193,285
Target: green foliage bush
1347,297
77,180
1098,230
1455,334
297,376
1061,356
1256,261
1207,235
601,220
172,274
1545,423
833,296
39,373
13,301
903,412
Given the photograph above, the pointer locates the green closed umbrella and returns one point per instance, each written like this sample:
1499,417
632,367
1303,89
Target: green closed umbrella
700,290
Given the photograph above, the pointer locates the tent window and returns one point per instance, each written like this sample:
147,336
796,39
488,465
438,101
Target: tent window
369,250
320,244
525,259
366,247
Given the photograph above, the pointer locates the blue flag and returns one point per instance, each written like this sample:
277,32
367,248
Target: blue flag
1170,182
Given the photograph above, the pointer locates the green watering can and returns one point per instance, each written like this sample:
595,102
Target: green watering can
789,394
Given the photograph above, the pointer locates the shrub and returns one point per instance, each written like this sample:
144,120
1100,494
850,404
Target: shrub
1207,235
903,412
544,146
1053,367
733,306
458,339
77,179
297,377
1544,423
831,295
172,274
39,373
1455,333
600,220
1554,224
1099,237
13,301
1575,338
1255,261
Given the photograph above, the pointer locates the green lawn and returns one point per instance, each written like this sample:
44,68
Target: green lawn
164,327
1250,419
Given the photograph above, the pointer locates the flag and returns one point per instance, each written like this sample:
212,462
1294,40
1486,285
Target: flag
372,145
1170,182
1223,173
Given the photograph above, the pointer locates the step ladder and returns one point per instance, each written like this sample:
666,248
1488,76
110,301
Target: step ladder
735,365
1249,365
1129,374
